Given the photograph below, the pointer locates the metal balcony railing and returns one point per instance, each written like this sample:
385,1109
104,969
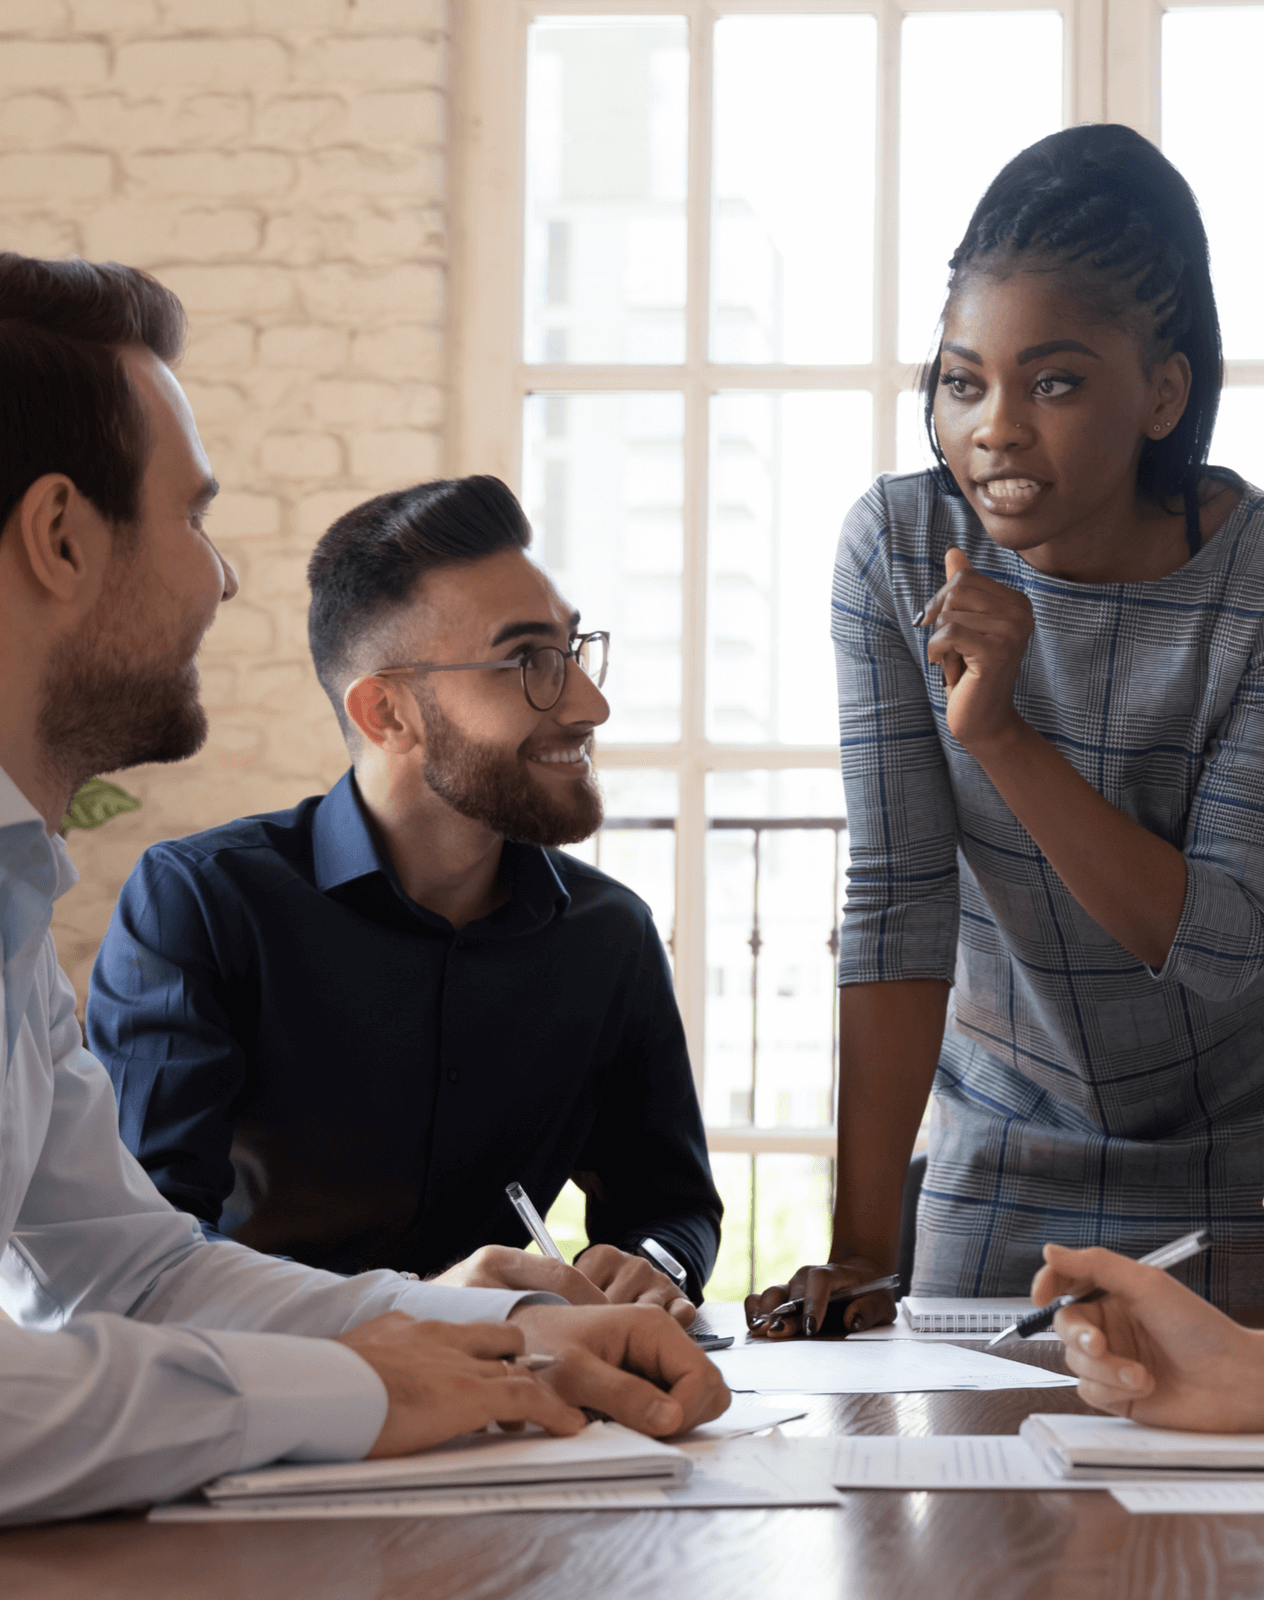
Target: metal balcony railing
746,1137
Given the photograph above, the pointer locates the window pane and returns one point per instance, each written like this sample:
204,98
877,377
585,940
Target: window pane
603,479
912,447
794,183
1211,130
951,147
1238,441
637,844
772,909
607,126
790,1198
785,468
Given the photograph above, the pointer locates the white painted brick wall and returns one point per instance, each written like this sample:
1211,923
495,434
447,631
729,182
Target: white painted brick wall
280,164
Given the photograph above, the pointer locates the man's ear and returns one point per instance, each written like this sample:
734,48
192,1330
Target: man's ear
379,708
65,538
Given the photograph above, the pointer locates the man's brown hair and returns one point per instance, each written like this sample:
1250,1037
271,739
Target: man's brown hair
66,404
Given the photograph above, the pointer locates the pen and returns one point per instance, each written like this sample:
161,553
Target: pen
521,1202
795,1307
1167,1255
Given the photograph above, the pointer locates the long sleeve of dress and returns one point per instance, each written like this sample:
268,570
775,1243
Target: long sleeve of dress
1218,951
902,888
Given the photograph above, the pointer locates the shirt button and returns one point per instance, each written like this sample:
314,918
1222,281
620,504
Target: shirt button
452,1074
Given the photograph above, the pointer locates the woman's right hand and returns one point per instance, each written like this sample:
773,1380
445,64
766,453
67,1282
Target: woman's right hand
814,1286
1152,1350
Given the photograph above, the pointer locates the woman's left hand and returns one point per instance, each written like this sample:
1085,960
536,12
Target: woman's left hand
981,631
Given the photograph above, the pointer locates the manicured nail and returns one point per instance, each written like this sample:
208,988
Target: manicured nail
809,1326
919,618
779,1326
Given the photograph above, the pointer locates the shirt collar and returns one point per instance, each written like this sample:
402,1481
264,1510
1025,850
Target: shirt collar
343,846
344,849
26,849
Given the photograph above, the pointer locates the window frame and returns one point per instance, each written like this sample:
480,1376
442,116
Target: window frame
1111,71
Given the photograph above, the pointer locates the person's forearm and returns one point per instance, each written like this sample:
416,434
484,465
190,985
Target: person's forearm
889,1040
1131,882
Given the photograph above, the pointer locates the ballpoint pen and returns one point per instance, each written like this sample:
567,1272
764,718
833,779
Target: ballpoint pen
521,1202
794,1308
1167,1255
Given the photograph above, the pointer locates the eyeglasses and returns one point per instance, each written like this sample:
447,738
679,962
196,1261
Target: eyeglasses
543,669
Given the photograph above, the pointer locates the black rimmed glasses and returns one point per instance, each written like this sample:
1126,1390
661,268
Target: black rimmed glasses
543,669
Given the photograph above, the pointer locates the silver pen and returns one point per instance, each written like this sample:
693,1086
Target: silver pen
521,1202
794,1308
1167,1255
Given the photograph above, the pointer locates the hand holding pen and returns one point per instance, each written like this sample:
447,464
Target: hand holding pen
782,1310
1151,1349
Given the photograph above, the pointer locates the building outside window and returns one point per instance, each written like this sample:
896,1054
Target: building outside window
702,253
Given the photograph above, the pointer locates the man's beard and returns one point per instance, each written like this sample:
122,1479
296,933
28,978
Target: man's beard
482,783
100,711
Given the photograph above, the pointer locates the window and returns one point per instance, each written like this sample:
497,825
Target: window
701,252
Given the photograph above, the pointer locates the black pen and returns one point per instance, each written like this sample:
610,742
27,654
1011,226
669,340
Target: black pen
1167,1255
794,1308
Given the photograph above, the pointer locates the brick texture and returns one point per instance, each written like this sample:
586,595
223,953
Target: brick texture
279,163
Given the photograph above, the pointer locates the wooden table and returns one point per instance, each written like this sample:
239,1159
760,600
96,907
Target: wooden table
880,1546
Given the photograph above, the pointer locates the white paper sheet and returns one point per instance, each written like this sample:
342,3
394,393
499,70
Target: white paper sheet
1224,1499
748,1413
976,1461
762,1472
896,1366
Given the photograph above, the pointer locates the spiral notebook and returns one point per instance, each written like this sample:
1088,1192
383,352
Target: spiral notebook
929,1314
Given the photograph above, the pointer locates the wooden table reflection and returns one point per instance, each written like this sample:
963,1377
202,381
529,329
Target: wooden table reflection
879,1546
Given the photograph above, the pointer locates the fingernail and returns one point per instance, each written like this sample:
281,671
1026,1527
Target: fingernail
919,618
1086,1338
809,1326
663,1416
778,1327
1126,1378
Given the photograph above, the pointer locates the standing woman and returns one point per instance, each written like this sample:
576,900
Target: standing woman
1051,681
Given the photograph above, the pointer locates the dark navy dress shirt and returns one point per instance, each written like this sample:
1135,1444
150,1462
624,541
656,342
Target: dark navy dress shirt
288,1033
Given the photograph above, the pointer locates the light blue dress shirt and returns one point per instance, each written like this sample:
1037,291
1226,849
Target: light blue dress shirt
140,1361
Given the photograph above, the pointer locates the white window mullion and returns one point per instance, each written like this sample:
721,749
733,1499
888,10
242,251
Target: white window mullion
690,932
887,237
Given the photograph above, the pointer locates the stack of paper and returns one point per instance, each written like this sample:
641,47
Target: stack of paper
1097,1448
603,1451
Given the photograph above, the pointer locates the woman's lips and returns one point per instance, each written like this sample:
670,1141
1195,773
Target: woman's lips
1009,497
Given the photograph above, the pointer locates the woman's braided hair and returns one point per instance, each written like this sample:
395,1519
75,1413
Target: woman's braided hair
1104,209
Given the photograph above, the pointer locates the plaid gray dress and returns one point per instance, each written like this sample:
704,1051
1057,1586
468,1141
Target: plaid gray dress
1081,1095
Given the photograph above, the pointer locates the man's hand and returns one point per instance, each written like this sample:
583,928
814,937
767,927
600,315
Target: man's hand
1152,1350
814,1285
603,1348
500,1266
632,1280
444,1378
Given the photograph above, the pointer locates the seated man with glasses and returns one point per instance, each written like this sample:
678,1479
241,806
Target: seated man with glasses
338,1033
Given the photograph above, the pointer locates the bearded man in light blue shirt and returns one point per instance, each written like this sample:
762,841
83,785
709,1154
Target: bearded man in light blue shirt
139,1361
